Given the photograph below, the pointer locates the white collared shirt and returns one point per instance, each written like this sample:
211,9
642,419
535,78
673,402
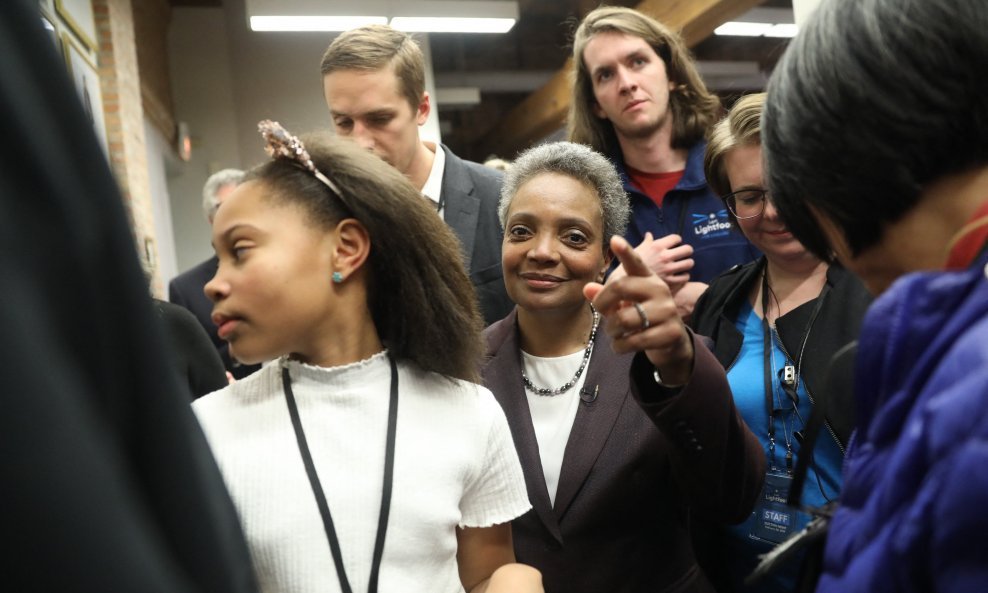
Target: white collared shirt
434,184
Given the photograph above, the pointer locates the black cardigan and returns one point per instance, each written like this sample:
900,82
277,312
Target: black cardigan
838,324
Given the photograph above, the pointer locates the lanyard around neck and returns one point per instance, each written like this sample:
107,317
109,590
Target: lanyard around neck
768,355
317,491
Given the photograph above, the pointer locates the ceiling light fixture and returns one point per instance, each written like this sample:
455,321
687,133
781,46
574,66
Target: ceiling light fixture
782,30
414,16
761,22
313,23
739,29
421,24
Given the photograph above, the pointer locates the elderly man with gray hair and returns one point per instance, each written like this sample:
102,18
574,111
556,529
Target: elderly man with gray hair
217,188
186,289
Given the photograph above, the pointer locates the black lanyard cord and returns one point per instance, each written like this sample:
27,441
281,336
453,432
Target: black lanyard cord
767,361
767,366
317,491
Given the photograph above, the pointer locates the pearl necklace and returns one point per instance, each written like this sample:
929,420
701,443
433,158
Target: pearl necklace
569,385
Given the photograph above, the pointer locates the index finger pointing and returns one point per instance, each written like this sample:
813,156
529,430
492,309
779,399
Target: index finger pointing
633,264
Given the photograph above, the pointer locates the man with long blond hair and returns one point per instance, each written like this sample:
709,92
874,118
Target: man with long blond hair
638,98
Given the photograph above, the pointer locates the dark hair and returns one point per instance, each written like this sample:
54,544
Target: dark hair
874,100
693,107
419,295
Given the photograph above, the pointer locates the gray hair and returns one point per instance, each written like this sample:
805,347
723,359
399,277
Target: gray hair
581,163
214,184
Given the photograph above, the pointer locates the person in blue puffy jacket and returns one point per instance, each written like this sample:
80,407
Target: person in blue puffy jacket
876,142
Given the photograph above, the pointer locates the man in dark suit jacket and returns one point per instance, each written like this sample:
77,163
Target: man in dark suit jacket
374,82
186,289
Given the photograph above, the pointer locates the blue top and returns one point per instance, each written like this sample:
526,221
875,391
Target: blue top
823,479
692,211
913,512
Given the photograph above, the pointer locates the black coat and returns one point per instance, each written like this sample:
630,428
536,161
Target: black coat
190,351
828,380
837,324
472,193
186,290
106,480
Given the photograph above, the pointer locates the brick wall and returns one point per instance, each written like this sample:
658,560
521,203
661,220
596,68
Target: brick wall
122,104
151,21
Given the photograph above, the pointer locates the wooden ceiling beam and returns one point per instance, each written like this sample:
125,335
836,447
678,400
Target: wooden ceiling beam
544,111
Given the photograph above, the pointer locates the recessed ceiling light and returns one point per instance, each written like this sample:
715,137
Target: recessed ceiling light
425,16
782,30
742,29
416,24
313,23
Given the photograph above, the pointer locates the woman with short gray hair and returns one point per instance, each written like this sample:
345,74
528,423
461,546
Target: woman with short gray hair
567,365
579,162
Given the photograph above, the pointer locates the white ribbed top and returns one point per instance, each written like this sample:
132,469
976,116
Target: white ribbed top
553,415
455,465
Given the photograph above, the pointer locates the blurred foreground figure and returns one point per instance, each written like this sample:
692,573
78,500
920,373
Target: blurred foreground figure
107,483
876,139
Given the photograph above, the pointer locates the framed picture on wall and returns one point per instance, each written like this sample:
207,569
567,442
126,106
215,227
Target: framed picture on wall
78,15
86,78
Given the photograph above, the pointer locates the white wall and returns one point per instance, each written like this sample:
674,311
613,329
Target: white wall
225,78
276,76
159,153
202,89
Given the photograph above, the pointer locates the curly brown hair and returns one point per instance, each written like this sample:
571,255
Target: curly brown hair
419,294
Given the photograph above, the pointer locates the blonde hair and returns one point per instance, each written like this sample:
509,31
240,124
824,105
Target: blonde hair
741,127
693,107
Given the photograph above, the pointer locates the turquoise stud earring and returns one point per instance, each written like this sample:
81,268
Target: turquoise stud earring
337,278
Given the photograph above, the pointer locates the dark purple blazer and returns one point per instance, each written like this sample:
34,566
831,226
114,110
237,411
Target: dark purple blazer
639,458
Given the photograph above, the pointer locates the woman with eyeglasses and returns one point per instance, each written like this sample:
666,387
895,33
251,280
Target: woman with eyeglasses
776,324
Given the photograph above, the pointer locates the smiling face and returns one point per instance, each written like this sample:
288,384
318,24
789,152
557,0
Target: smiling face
767,232
273,293
630,84
553,243
368,107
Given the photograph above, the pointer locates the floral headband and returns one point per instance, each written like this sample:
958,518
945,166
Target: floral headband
282,144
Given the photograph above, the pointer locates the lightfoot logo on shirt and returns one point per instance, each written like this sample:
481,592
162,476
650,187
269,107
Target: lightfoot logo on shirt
712,224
